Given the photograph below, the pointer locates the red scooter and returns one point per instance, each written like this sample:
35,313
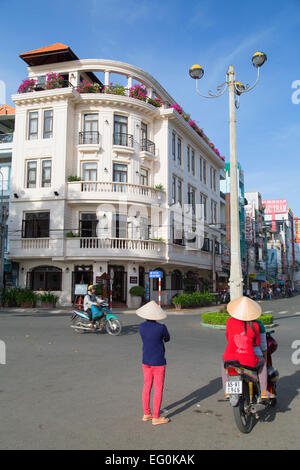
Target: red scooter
244,389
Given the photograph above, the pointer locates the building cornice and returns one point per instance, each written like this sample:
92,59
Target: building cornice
46,96
182,124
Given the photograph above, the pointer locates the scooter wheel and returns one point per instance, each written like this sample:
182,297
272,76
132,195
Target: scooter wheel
243,418
113,326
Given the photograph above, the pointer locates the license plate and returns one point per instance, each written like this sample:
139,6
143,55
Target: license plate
234,387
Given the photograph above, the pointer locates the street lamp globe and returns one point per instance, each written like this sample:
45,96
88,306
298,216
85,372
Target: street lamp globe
196,71
258,59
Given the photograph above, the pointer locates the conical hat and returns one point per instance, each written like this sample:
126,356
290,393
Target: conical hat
151,311
244,309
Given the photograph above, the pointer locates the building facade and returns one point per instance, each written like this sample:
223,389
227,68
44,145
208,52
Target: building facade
255,241
9,270
280,221
109,180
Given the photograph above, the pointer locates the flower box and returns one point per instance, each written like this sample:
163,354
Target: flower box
138,92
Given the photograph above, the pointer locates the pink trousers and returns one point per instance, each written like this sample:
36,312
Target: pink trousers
156,374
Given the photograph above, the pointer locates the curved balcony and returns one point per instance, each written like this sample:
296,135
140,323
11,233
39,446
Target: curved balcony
114,247
98,191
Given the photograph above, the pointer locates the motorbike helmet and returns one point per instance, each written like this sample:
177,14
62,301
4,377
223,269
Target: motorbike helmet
91,287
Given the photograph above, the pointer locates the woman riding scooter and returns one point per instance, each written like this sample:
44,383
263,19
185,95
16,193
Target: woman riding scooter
243,334
91,303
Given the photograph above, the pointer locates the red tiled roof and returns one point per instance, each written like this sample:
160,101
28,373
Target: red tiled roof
54,47
5,109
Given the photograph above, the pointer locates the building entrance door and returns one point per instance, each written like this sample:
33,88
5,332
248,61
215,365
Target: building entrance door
119,288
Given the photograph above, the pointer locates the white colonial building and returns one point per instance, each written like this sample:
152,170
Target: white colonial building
109,179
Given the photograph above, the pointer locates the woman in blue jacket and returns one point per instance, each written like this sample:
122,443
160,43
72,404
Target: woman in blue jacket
153,335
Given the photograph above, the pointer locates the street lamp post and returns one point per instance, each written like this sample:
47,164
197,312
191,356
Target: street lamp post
235,89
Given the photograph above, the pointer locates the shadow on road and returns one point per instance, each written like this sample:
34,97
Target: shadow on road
288,390
130,330
193,398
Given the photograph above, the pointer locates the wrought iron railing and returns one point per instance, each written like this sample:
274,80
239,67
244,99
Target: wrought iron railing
148,146
123,139
89,137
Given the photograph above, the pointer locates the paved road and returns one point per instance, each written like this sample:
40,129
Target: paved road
60,390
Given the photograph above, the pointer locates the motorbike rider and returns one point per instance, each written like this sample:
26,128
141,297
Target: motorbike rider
91,303
243,334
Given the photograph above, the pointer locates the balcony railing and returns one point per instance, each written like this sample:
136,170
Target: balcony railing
114,187
123,139
148,146
89,137
119,244
40,84
6,138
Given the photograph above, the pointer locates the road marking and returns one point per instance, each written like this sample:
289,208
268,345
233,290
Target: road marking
284,311
269,311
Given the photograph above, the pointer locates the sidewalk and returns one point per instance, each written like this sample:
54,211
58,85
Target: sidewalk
125,311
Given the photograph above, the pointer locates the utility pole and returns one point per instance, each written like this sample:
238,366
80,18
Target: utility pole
3,220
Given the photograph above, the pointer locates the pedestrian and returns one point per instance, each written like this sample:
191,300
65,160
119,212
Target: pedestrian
270,293
153,335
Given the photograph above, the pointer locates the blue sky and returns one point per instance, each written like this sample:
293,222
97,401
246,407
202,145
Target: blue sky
165,37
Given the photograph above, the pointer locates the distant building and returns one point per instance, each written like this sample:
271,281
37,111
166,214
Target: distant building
280,220
7,123
254,235
225,190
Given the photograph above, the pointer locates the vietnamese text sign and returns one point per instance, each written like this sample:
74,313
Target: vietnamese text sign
275,206
297,230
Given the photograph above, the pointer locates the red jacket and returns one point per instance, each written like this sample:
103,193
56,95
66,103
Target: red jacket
240,346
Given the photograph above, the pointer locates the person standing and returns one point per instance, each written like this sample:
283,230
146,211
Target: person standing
153,335
270,293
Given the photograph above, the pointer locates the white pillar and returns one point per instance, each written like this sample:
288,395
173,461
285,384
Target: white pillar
129,83
106,77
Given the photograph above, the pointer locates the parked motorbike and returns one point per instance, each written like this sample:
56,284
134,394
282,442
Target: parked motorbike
80,321
244,389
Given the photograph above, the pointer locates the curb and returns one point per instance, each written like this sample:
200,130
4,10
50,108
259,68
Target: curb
223,327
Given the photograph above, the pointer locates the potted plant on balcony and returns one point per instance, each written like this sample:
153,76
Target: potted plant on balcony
177,108
53,80
138,91
27,85
88,87
137,293
157,102
114,89
74,178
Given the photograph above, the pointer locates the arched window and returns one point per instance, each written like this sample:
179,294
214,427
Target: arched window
163,280
176,280
44,278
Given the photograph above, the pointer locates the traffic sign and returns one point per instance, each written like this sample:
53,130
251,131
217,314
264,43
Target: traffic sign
155,274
